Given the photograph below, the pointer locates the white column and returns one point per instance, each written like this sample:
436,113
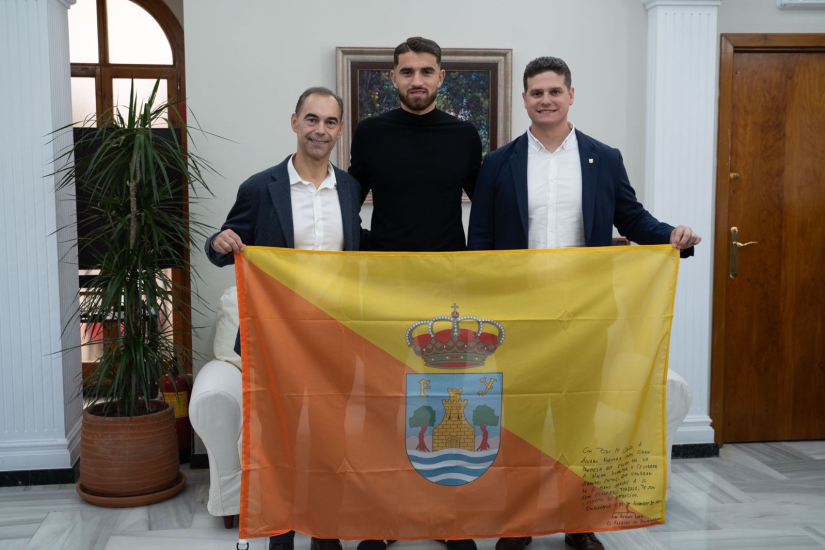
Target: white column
681,92
39,411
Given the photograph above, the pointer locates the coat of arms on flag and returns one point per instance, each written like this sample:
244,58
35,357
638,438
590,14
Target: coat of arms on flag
453,433
453,395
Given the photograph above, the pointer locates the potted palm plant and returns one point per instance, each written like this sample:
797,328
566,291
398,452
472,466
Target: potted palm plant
130,177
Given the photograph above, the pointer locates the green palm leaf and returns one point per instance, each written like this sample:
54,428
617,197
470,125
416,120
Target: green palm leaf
133,197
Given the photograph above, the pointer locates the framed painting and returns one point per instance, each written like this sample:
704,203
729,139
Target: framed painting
476,88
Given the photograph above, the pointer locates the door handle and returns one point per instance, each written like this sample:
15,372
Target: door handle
735,245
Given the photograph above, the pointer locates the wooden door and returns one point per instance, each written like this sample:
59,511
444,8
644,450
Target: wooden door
772,332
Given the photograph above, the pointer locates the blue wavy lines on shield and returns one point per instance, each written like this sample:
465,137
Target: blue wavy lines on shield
452,466
458,455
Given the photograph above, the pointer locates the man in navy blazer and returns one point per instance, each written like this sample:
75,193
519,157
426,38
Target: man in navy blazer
501,210
305,202
263,212
556,187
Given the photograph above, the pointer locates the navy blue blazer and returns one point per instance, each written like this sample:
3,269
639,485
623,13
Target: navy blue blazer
262,213
498,218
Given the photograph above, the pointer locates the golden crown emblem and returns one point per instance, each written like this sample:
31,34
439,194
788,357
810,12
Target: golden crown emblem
455,347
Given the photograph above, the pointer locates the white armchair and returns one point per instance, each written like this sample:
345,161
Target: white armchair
679,399
215,412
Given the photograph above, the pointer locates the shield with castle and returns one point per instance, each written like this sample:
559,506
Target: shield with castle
454,418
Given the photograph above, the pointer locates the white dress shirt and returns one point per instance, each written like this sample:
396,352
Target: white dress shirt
316,212
554,194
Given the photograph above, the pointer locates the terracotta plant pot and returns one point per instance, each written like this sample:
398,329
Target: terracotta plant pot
129,457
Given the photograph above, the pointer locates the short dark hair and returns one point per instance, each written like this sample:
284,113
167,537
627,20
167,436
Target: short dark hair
545,64
418,45
319,90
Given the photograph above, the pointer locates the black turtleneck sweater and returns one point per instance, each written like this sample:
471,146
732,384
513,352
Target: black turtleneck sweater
416,167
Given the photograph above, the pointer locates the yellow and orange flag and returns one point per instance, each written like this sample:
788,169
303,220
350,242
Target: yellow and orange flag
450,396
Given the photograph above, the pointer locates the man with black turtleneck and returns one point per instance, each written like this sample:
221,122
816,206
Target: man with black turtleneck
416,160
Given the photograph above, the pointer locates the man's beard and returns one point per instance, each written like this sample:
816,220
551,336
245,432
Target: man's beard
416,103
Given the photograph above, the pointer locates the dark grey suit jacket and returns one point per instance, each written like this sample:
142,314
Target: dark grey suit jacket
262,214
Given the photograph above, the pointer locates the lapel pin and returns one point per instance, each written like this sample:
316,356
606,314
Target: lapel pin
590,161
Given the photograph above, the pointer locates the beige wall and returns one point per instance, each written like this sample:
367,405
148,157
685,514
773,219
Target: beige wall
247,62
745,16
177,8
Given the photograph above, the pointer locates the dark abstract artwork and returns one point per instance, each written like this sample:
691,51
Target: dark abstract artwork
476,89
465,94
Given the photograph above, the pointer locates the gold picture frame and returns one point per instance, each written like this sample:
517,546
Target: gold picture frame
493,67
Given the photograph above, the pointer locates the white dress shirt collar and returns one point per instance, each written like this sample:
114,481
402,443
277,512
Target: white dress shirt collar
570,142
294,177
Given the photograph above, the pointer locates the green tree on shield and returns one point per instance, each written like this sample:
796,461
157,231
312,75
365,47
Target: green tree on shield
421,418
484,416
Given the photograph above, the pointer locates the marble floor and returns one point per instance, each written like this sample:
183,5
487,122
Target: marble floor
754,496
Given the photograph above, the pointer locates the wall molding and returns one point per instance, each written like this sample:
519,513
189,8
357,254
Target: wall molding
800,4
73,440
39,419
679,177
37,454
655,3
41,454
66,3
693,430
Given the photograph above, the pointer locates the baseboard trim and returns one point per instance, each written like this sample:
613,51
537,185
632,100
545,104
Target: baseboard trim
693,430
40,454
198,461
695,450
25,478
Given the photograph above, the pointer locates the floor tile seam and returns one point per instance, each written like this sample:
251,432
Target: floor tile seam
745,511
702,500
769,450
17,543
22,533
738,531
757,469
15,521
816,532
683,536
720,485
771,463
661,529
